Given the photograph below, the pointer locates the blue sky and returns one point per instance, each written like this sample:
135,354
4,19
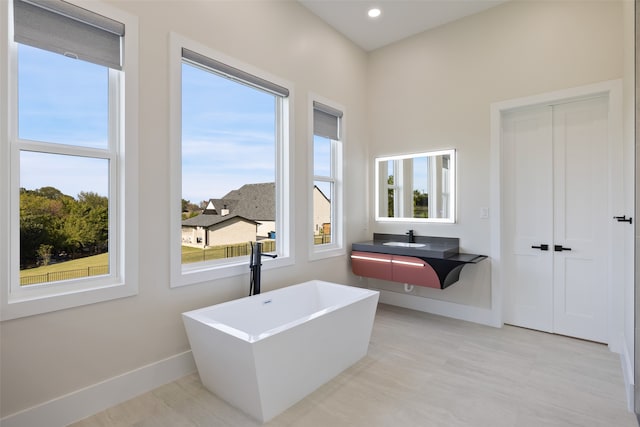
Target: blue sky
420,174
62,100
228,135
228,129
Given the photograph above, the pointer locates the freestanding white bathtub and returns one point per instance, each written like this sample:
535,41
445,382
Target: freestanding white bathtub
264,353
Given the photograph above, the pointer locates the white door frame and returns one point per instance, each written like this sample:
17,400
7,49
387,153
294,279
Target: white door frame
615,203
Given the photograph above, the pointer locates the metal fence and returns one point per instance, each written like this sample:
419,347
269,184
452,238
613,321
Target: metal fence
321,239
224,251
216,252
56,276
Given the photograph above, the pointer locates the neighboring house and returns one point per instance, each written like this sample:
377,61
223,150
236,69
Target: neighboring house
243,215
256,202
321,213
247,214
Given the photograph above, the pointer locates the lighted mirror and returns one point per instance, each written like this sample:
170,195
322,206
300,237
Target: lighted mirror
416,187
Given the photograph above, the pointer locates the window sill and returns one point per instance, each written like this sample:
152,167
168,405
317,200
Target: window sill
321,252
14,308
193,274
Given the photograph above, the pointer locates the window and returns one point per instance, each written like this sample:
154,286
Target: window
231,142
326,205
416,187
68,208
391,187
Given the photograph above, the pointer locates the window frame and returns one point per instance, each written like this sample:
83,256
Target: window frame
122,281
403,183
190,274
395,188
336,247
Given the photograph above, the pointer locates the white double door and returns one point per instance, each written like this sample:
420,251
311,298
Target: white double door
556,182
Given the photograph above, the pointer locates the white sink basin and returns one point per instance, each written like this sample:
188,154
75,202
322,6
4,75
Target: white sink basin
404,244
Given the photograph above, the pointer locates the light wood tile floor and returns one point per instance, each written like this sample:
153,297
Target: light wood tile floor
425,370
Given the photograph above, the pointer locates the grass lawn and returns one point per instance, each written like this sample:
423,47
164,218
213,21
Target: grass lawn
82,267
99,264
190,255
90,261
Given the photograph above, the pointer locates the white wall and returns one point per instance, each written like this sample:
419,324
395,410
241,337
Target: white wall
630,154
434,91
46,356
431,91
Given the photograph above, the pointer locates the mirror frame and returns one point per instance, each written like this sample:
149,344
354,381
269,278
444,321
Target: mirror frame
452,194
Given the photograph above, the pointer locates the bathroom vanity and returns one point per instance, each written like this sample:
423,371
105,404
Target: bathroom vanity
433,262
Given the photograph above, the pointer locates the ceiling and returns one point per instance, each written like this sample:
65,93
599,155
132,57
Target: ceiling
399,18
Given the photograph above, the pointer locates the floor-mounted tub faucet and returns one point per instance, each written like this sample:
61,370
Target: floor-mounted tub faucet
412,238
255,264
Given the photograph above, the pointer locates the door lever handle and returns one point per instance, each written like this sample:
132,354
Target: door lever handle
559,248
541,247
623,218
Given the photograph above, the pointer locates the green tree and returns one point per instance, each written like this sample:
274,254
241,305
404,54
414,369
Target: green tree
390,198
189,209
44,253
50,193
52,222
87,226
42,216
420,204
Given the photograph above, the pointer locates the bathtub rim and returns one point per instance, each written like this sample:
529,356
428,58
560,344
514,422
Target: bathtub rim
197,315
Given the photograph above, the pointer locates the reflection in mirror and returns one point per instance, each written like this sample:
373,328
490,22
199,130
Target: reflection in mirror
416,187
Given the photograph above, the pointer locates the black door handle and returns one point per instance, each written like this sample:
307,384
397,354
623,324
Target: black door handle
623,218
559,248
541,247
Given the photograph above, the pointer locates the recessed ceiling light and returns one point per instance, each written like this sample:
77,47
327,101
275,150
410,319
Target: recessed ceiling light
374,12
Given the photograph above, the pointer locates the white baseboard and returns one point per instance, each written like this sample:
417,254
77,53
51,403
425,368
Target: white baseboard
469,313
85,402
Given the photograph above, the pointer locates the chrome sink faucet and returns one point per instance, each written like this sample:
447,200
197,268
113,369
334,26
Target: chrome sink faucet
412,238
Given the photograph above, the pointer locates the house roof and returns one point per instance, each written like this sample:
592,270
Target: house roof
216,206
205,220
251,202
316,188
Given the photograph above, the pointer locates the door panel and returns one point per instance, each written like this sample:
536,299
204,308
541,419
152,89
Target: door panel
556,193
528,291
577,283
581,222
